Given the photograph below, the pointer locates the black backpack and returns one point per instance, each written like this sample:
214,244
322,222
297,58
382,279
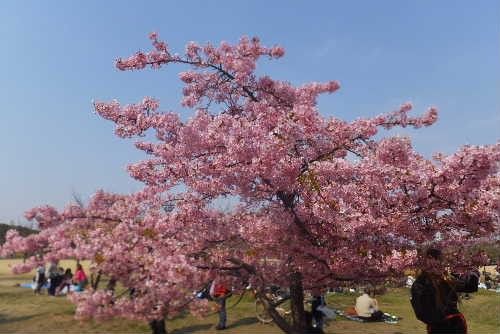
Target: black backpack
423,301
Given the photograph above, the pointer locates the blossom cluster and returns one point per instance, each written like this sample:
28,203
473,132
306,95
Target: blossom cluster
330,199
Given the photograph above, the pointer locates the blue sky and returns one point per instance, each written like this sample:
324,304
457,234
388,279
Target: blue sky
58,56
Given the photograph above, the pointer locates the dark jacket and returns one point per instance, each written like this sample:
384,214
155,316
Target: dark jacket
431,307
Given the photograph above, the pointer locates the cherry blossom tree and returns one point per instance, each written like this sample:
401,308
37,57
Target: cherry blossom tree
118,234
320,200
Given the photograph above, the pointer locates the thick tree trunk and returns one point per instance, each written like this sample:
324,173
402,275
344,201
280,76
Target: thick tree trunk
299,319
158,326
300,324
277,318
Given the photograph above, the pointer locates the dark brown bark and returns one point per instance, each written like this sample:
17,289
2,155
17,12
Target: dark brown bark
111,284
300,323
277,318
158,326
299,320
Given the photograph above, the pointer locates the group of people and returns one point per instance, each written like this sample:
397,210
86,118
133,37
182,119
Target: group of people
218,291
59,279
434,298
434,295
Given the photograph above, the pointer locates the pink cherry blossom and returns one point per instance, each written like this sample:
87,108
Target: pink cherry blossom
320,200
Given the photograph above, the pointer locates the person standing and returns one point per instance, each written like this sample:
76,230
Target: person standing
220,292
434,295
52,274
40,278
318,300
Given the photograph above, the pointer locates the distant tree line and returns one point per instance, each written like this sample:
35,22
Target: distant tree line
24,231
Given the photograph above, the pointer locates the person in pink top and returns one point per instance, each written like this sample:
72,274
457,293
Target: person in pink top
80,278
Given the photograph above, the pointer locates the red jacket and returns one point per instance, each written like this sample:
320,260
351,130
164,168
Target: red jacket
219,290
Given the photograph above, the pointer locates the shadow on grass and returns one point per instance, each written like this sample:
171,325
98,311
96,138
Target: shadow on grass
191,329
15,293
243,322
202,328
7,319
10,281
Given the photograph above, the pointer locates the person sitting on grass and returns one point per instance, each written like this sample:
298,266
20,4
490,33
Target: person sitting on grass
488,281
80,278
66,280
367,306
57,280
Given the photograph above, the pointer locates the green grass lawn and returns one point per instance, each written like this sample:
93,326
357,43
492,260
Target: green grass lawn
23,312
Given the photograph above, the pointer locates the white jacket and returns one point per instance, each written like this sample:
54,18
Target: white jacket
365,305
